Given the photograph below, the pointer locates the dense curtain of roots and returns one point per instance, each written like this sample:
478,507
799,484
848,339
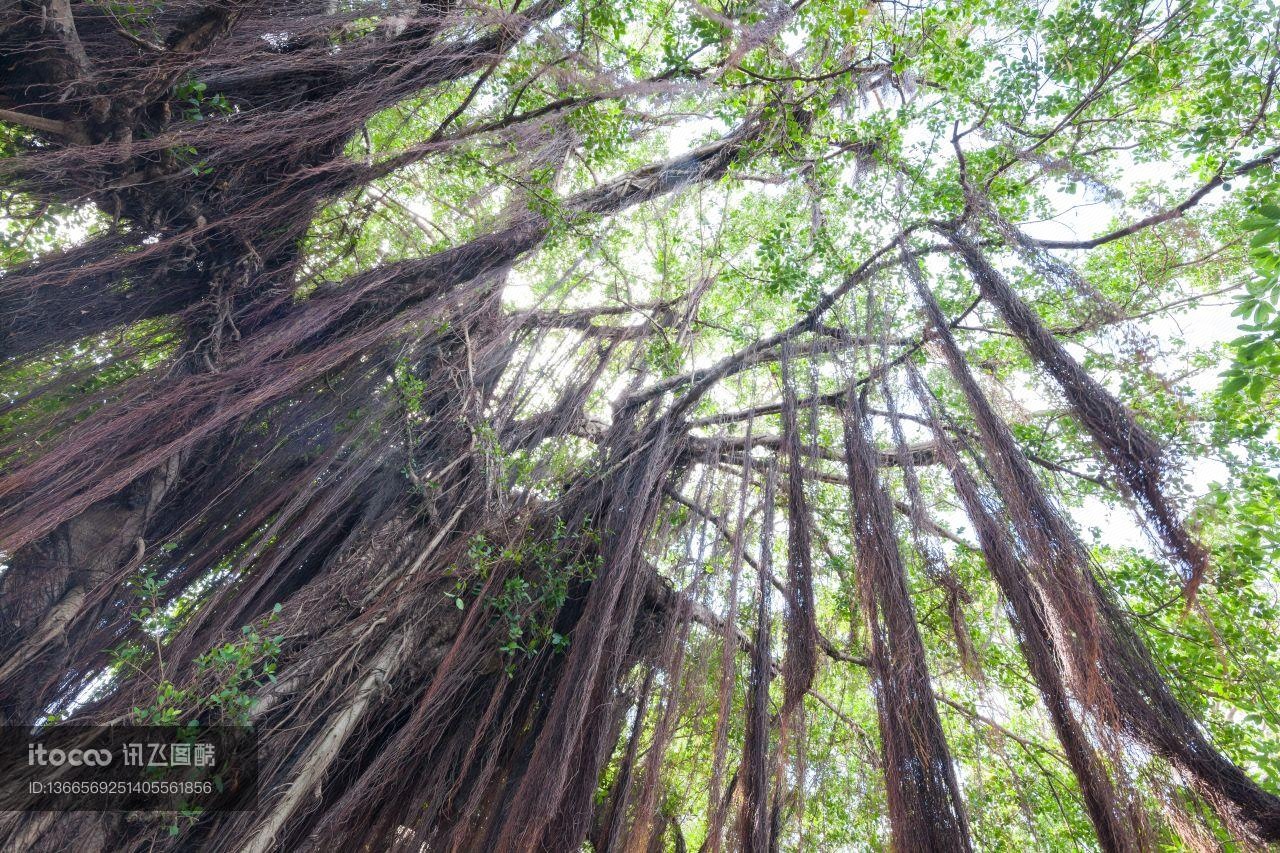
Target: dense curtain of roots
1116,827
1112,671
800,661
1130,449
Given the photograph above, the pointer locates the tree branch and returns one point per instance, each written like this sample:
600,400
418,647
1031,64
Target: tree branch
1177,212
42,124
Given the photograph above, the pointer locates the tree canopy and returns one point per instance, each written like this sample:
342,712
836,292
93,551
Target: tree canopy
650,425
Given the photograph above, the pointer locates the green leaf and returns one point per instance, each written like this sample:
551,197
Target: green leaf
1268,235
1234,384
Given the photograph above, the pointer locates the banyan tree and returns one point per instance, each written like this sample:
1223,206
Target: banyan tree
650,425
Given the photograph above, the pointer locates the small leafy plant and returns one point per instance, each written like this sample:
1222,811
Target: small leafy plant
525,607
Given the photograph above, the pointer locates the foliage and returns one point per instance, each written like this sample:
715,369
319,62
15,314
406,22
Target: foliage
1256,370
536,579
434,324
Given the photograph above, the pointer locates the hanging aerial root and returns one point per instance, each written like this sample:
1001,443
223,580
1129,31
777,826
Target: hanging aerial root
1130,449
801,659
718,807
1112,671
1111,818
754,827
935,565
1056,554
926,808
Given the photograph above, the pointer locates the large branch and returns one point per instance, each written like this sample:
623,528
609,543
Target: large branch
58,18
702,380
45,125
1171,213
921,454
